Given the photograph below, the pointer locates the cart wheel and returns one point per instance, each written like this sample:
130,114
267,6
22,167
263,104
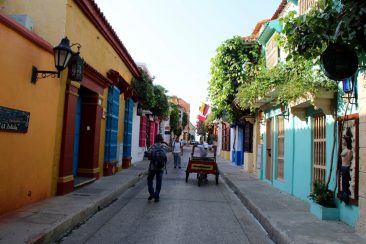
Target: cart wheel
217,178
199,178
187,174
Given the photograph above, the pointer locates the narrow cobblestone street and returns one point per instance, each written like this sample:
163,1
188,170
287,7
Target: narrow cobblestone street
186,213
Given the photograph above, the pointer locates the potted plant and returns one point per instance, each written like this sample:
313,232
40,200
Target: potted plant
322,204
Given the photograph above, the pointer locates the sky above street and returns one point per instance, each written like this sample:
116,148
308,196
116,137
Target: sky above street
176,39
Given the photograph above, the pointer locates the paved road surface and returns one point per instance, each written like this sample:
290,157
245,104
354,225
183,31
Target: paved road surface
186,213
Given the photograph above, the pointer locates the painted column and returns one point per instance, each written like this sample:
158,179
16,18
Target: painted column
111,132
233,144
361,225
127,138
65,182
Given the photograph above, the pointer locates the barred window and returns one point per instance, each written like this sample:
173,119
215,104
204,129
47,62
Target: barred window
280,147
319,148
225,137
305,5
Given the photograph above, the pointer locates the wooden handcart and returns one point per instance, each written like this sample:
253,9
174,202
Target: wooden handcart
202,166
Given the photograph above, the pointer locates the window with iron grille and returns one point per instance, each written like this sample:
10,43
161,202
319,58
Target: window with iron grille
305,5
272,53
225,137
280,147
319,148
248,138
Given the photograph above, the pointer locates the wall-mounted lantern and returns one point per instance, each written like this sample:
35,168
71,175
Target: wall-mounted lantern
347,85
139,109
62,56
76,65
262,118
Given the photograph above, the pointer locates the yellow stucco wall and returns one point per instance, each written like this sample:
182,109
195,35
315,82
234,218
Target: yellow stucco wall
49,16
102,133
26,159
225,155
97,52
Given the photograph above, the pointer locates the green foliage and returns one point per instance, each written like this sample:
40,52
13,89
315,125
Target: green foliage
174,121
209,121
209,138
145,88
152,97
191,137
303,38
292,80
184,120
322,195
161,108
201,128
227,73
308,35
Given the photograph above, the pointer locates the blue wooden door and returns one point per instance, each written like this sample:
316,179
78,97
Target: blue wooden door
127,140
111,131
75,159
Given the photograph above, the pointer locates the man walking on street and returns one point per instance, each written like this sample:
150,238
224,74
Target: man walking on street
177,151
158,161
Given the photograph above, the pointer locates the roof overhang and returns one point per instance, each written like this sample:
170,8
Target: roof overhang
269,29
323,100
293,1
268,98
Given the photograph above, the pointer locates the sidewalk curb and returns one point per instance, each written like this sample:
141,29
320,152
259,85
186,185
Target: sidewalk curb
71,221
274,233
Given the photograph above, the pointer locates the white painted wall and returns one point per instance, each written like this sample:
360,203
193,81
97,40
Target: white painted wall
219,139
137,152
165,127
233,138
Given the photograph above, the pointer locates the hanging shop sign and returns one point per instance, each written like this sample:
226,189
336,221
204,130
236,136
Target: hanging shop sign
14,120
339,62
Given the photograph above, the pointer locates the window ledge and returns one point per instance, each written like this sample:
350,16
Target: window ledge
323,100
269,97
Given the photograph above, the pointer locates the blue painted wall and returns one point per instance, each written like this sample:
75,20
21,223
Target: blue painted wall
237,150
127,135
111,131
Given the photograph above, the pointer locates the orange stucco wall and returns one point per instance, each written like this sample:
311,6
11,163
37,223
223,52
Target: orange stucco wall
66,19
26,159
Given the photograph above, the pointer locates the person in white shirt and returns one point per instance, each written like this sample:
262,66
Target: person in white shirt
347,157
177,149
203,147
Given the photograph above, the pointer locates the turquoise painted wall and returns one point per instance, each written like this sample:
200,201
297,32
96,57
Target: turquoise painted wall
348,213
302,157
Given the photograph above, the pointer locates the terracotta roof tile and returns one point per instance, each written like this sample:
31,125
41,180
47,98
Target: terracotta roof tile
255,31
279,9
